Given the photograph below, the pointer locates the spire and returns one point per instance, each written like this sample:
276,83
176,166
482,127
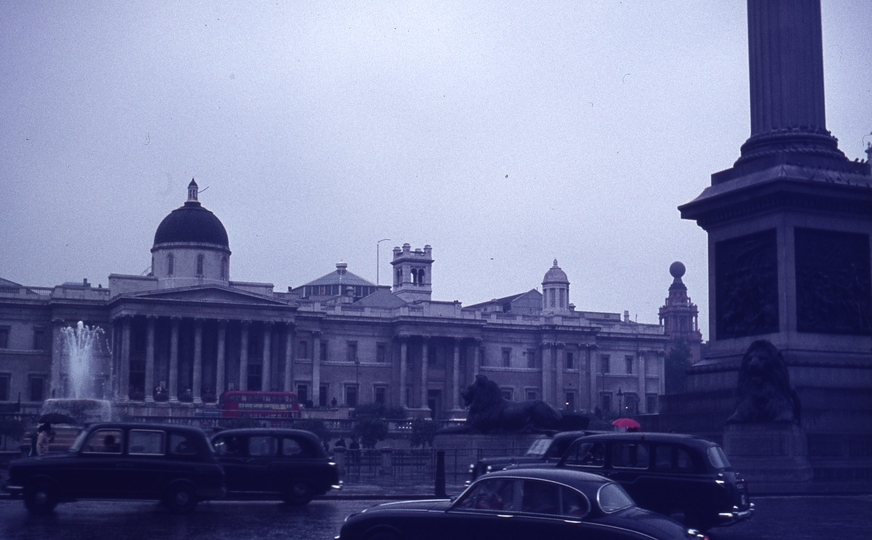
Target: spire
192,191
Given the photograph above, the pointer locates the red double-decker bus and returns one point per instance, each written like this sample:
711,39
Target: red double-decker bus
251,404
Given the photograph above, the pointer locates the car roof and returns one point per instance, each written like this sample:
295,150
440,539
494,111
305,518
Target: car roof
143,425
265,431
651,437
569,477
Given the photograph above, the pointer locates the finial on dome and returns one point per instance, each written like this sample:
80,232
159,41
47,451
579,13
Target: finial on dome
192,191
555,263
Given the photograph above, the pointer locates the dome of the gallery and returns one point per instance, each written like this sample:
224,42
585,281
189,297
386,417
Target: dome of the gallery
191,223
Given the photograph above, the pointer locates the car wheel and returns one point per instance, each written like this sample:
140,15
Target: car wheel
181,498
40,497
299,493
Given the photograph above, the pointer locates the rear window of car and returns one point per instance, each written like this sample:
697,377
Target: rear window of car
146,442
291,448
104,441
182,444
718,458
262,446
538,448
671,458
586,455
612,497
630,455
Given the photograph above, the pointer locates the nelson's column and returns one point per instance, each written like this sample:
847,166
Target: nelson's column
789,228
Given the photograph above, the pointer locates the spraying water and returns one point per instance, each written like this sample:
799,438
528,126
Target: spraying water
81,346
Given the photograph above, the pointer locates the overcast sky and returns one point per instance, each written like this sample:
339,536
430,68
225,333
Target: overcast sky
503,134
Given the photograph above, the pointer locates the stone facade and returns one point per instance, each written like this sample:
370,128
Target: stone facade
178,337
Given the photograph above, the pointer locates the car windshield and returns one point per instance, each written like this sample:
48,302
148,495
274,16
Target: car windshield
538,448
718,458
612,497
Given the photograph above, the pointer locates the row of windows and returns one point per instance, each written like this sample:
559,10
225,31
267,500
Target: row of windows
334,290
350,351
201,260
41,338
352,391
35,388
606,364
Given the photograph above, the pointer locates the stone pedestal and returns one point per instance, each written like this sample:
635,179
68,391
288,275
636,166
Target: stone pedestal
463,449
772,457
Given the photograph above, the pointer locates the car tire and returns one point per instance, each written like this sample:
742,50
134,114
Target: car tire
40,497
299,493
181,498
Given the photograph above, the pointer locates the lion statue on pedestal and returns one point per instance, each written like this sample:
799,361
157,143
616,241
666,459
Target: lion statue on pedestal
764,392
490,412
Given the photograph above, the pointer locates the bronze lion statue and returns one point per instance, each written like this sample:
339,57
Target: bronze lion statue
764,393
490,412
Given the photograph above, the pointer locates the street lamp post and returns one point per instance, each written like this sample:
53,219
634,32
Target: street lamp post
620,401
377,244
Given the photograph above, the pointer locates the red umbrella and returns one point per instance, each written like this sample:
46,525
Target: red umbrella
628,423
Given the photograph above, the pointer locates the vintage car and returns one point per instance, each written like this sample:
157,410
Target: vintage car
170,463
264,463
523,503
548,449
686,477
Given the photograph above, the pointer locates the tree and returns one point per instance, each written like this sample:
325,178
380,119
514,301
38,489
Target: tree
423,432
677,362
370,429
316,426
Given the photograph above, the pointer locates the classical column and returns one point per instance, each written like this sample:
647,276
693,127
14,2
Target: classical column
198,362
316,366
288,383
124,386
642,383
266,374
476,365
404,368
547,362
174,360
455,376
425,357
559,386
151,320
221,360
590,359
243,355
57,358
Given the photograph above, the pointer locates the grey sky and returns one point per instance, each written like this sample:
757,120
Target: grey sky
505,135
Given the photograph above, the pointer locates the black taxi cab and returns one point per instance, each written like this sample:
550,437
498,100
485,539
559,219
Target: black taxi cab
686,477
173,464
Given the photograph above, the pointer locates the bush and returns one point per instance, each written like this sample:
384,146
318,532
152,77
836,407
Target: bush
423,431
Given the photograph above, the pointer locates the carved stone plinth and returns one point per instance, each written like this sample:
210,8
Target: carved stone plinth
772,457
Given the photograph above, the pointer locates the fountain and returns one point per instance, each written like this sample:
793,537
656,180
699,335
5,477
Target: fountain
82,346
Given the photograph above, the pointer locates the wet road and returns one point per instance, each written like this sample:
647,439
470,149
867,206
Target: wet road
777,518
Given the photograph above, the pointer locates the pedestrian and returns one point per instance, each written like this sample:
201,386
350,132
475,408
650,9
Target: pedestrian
43,439
340,443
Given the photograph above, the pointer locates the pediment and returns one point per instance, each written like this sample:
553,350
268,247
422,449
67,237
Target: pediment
208,294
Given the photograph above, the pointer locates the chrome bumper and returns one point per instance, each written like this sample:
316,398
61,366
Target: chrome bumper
728,518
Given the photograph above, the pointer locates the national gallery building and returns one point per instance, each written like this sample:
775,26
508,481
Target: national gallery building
175,339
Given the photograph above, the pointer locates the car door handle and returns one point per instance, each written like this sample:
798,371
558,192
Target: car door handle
504,515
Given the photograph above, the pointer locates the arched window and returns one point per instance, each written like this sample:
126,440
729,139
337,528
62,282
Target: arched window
224,268
421,276
200,259
170,264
